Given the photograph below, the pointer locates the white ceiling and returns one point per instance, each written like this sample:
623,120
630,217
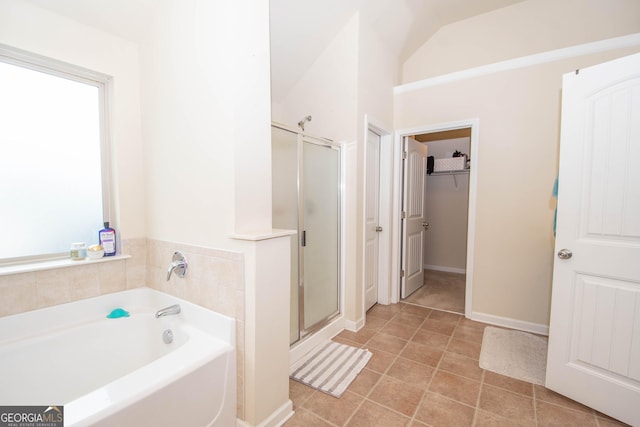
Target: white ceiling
300,29
124,18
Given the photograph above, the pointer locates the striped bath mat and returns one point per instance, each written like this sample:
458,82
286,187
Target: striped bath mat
330,367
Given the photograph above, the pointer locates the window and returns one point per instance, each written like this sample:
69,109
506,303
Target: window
54,180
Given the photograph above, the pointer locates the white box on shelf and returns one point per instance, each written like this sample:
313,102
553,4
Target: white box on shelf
450,164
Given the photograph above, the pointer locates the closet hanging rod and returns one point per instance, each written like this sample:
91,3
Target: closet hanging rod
462,172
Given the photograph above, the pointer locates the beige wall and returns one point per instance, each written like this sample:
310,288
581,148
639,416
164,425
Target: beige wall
517,163
519,113
206,121
529,27
378,72
327,91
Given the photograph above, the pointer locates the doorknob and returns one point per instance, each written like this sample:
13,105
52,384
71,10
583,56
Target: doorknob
425,225
378,229
565,254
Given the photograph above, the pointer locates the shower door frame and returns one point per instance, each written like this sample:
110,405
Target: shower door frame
300,141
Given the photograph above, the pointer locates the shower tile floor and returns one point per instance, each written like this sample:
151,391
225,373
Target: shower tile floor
424,372
442,290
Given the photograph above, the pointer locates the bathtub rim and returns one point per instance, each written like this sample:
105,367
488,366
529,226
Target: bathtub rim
29,323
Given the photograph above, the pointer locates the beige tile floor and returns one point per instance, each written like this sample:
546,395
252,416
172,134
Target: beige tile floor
424,372
442,290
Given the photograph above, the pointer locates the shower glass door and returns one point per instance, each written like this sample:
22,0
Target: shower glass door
320,219
306,198
284,172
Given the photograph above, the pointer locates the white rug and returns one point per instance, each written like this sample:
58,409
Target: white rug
330,367
514,354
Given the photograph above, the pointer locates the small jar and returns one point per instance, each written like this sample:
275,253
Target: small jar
78,251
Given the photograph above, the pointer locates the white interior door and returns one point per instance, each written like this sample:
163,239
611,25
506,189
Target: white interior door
594,340
413,226
372,221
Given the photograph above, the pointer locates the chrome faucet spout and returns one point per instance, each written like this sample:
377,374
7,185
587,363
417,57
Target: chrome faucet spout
168,311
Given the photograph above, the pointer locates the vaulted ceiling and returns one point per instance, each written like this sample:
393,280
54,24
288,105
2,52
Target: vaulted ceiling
300,29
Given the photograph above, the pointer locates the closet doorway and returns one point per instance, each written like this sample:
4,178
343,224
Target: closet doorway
449,205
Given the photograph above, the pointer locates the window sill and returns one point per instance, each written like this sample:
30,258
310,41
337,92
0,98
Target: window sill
6,270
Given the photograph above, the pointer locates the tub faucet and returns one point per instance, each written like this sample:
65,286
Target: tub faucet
178,264
168,311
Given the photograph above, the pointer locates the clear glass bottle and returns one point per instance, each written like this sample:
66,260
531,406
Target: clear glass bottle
78,251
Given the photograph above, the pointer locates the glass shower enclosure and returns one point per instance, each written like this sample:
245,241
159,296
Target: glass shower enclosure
306,197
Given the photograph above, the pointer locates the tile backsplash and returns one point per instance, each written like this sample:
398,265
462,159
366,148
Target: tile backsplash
27,291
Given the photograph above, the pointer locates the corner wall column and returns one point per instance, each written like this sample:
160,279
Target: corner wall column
267,301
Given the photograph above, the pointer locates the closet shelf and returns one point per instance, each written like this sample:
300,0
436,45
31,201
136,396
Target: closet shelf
460,172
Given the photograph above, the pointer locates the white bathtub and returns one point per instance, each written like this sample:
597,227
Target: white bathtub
119,372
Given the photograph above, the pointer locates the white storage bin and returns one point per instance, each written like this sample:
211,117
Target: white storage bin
450,164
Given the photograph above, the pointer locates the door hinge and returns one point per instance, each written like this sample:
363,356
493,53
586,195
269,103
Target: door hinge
404,155
303,240
401,273
403,215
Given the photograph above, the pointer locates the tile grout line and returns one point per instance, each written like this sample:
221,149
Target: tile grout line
411,418
365,398
535,405
477,408
313,413
435,369
395,359
424,393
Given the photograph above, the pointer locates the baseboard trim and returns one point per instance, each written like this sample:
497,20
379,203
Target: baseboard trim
445,269
507,322
352,326
277,418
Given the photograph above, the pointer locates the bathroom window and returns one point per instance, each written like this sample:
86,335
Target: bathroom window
54,179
